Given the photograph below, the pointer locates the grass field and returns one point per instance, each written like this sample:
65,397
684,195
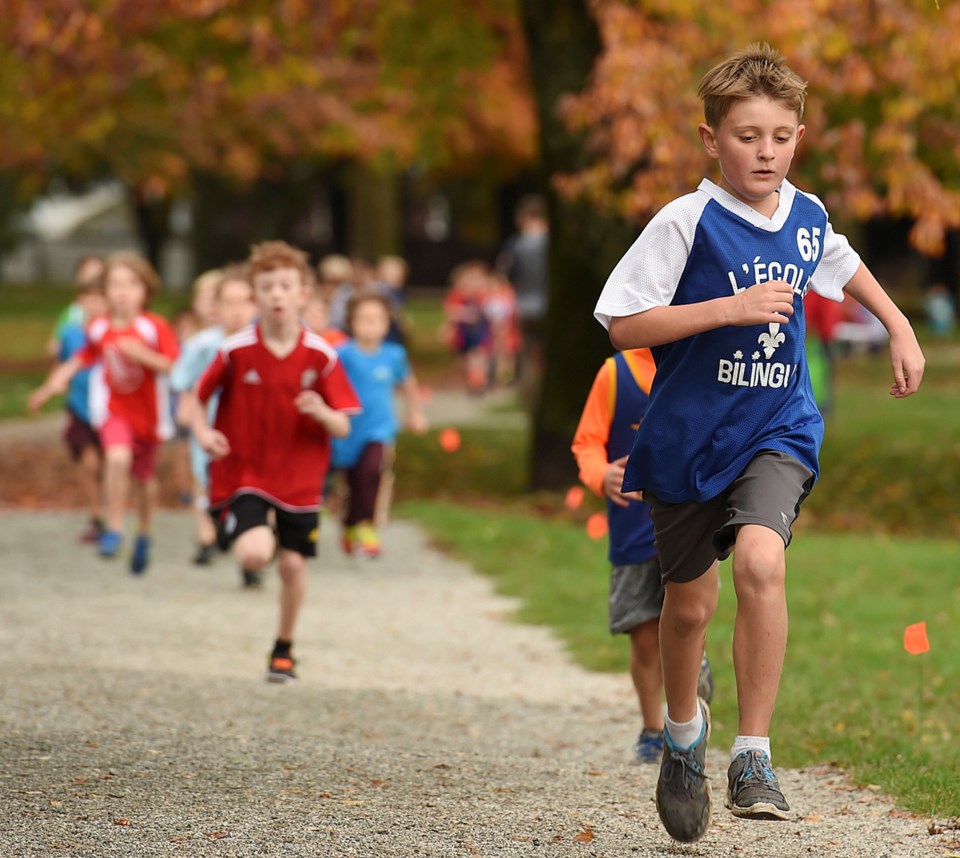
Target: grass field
877,549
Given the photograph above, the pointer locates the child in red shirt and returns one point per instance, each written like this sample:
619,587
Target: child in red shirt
283,394
129,400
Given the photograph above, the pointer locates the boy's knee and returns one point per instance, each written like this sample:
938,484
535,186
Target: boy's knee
759,565
254,549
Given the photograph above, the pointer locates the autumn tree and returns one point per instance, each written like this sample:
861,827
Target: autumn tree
156,93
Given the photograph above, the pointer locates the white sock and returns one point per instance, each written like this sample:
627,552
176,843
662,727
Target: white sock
684,734
749,743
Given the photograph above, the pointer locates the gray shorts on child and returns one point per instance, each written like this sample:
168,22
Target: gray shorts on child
691,535
636,595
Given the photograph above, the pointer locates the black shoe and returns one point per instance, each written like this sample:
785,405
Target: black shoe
280,668
752,788
204,555
683,791
251,579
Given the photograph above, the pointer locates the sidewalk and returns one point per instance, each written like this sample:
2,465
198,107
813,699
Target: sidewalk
135,721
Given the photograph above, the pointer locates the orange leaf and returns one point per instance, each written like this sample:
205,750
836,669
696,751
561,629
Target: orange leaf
574,498
597,525
450,440
585,836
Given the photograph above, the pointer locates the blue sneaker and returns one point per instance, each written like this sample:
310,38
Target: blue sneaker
752,788
683,791
649,746
141,555
109,543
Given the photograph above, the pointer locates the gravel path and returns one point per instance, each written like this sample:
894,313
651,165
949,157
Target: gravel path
135,721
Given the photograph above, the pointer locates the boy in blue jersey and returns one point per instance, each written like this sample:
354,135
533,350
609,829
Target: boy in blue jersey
608,424
728,447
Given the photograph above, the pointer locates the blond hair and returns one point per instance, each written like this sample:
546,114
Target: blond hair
145,272
756,71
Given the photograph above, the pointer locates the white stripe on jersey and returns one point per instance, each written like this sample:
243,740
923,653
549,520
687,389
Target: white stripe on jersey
244,337
147,329
318,343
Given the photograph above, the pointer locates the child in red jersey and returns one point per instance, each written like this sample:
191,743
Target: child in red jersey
283,394
129,402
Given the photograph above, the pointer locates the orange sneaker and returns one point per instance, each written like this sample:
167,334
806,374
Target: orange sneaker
281,669
369,540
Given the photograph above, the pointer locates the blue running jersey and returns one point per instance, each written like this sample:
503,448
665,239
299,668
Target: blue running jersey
721,396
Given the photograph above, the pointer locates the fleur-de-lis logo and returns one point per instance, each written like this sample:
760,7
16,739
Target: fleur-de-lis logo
771,341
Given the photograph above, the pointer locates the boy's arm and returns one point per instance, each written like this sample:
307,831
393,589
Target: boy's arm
311,403
758,305
416,419
906,357
137,350
212,440
56,383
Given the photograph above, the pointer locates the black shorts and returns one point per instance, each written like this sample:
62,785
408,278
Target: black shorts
692,535
296,531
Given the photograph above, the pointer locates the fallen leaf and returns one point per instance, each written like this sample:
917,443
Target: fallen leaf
121,821
217,835
585,836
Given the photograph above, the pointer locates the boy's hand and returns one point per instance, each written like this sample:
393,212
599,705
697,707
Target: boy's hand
312,404
613,480
135,349
907,362
763,303
38,398
417,423
214,442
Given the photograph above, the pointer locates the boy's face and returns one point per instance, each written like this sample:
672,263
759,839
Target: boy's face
370,322
235,307
125,292
754,144
280,295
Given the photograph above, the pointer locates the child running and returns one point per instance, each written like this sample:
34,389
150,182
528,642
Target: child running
728,448
613,411
234,308
376,368
81,436
131,407
283,394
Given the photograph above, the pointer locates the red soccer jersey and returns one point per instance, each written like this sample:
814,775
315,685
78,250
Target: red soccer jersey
126,388
275,451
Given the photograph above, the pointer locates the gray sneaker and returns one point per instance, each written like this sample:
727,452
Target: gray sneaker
683,791
752,788
705,681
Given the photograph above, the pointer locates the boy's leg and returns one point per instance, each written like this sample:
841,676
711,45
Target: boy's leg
687,608
646,673
760,631
116,477
254,548
293,591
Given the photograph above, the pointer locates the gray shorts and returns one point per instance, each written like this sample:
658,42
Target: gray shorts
692,535
636,595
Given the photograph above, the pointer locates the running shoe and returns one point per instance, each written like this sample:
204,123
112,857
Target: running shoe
140,559
280,669
752,788
683,790
369,541
348,539
205,555
649,746
705,682
109,543
251,578
93,532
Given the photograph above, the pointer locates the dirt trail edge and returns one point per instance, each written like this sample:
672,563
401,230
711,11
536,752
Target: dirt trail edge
135,721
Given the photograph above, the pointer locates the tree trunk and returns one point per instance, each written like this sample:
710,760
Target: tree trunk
563,43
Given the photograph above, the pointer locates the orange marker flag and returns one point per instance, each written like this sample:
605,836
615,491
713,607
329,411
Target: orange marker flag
574,499
915,639
449,440
597,525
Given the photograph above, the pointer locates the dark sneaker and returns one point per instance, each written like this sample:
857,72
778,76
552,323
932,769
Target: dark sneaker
205,555
752,788
649,746
281,669
140,559
705,682
93,532
109,543
683,791
251,579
